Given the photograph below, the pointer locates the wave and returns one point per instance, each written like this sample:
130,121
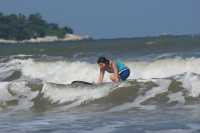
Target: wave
20,95
63,71
24,84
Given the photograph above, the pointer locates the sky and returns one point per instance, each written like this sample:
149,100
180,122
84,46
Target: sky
114,18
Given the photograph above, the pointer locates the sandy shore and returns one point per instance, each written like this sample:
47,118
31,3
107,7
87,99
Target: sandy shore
68,37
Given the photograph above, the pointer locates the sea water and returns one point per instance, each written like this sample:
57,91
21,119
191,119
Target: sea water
160,96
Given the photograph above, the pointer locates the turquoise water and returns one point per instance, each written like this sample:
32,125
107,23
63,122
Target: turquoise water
160,96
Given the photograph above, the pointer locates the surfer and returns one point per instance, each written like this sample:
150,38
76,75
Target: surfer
118,69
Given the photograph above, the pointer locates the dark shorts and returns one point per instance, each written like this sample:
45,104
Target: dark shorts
124,74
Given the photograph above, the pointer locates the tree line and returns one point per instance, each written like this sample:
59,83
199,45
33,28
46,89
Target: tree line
21,27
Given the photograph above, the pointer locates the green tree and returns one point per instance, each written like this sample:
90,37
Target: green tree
20,27
68,30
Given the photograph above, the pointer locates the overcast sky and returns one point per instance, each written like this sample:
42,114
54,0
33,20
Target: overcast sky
114,18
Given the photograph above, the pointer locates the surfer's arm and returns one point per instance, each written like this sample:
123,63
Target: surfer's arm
101,76
116,75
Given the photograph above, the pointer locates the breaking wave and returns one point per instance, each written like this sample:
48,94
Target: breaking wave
40,85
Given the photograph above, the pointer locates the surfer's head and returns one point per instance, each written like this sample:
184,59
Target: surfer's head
102,61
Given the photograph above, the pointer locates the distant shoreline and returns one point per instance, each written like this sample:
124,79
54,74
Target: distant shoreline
46,39
75,37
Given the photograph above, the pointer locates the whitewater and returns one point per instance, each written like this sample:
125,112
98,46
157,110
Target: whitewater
161,94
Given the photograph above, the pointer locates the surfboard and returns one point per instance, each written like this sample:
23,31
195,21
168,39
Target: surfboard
73,84
82,83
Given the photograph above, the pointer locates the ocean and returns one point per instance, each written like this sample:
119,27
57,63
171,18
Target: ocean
161,94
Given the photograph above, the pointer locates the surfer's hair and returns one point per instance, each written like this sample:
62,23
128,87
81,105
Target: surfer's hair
103,59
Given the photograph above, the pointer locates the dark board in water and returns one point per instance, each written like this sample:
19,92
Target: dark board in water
81,83
74,84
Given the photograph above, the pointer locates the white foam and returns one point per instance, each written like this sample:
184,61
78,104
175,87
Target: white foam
20,89
164,68
17,91
61,71
176,97
4,95
162,87
192,83
65,71
77,95
10,66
